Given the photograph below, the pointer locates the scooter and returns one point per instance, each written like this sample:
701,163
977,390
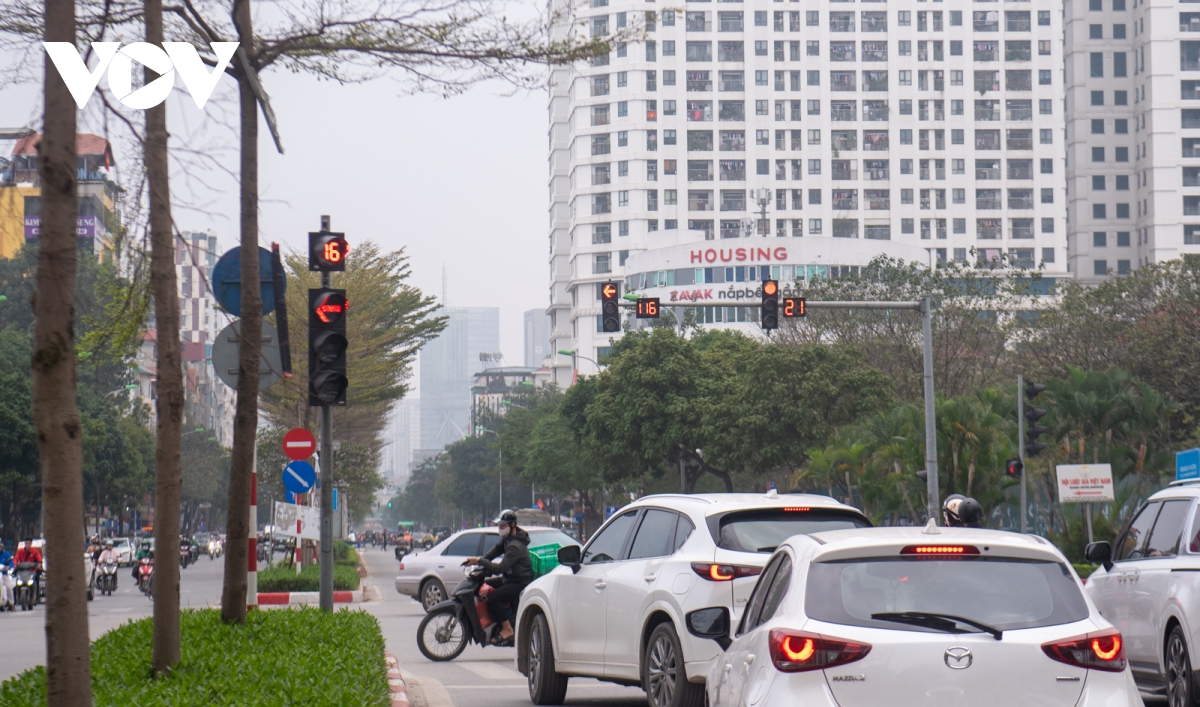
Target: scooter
185,557
449,626
25,593
146,576
106,577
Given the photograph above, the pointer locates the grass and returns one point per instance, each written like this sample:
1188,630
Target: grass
278,659
285,579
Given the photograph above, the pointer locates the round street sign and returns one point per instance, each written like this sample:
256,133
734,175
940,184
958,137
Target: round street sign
225,355
227,281
299,444
299,477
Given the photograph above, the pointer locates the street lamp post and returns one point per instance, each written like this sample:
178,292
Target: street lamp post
125,389
574,355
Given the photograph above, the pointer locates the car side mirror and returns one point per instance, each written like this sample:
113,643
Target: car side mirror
1099,553
711,623
569,556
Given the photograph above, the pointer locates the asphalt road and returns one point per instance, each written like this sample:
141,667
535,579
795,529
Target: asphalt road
479,677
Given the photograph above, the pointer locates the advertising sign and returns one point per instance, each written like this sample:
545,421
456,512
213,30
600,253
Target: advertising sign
1084,483
85,226
1187,465
297,521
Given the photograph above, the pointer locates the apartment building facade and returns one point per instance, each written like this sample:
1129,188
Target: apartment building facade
739,140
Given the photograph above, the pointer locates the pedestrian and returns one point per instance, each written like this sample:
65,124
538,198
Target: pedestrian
385,539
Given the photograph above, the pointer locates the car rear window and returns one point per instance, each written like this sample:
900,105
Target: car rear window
549,536
766,529
1007,593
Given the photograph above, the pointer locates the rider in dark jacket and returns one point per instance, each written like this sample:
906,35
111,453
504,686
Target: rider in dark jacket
515,570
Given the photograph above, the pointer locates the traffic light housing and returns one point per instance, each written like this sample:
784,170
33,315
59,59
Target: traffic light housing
770,305
1013,468
610,313
327,252
1032,414
327,345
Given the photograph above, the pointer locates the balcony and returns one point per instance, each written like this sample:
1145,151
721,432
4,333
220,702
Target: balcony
1020,169
1017,22
987,139
988,229
988,199
599,85
1191,148
986,21
842,51
843,170
1189,22
1020,199
697,22
987,110
1019,110
699,141
878,203
1018,80
874,22
842,81
699,111
875,81
875,111
731,51
699,81
700,171
987,81
601,145
843,110
987,169
733,200
733,170
841,22
700,201
732,81
844,140
732,141
731,229
875,141
986,51
732,110
1022,229
730,22
845,200
874,51
1017,50
601,203
1020,140
699,51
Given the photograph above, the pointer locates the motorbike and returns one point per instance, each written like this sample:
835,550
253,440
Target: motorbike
146,576
25,593
106,577
449,626
214,549
185,557
194,553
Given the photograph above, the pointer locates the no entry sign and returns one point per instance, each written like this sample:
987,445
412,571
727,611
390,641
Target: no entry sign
299,444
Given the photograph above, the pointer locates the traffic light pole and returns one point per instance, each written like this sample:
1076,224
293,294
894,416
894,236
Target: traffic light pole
326,446
1021,443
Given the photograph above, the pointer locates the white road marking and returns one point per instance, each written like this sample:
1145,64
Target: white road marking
491,671
120,611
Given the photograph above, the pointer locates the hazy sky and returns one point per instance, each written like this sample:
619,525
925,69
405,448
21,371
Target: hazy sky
458,181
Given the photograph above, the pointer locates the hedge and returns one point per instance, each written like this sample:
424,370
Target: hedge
281,657
285,579
1084,570
343,554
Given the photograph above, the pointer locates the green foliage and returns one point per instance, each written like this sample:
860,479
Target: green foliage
205,471
419,501
286,657
344,554
285,579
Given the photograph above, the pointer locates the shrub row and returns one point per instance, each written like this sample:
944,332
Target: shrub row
285,579
282,657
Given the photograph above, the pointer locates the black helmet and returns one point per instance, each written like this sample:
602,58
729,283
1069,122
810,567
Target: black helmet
506,517
962,512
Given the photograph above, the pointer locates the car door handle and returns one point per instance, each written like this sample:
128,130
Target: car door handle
750,658
650,577
601,584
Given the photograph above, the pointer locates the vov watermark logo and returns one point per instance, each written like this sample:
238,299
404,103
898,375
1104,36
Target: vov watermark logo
179,57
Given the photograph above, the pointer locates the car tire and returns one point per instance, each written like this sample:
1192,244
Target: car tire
433,592
664,677
546,686
1179,670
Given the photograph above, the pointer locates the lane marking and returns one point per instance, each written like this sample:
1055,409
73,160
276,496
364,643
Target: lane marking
491,671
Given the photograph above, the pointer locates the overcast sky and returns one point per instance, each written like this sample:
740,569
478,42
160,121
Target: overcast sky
459,182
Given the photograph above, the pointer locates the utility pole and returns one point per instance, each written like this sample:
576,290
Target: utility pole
326,466
1021,444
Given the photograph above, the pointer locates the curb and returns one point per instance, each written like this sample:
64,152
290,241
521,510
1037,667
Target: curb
299,598
396,681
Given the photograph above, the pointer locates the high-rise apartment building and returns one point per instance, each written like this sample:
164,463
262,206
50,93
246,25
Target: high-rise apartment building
537,337
1133,133
448,367
740,141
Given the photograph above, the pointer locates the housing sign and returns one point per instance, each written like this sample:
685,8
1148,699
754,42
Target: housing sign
1085,483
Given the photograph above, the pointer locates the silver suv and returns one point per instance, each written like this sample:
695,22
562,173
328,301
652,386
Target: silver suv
1149,588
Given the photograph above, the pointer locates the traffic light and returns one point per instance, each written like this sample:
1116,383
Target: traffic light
794,307
647,308
770,305
609,310
1013,468
327,252
1032,415
327,344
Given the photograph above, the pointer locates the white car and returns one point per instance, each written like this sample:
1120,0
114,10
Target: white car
616,610
1149,588
936,617
124,551
426,574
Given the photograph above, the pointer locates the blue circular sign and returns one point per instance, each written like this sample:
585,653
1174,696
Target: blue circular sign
299,477
227,281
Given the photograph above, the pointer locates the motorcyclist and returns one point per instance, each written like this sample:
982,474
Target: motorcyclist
29,553
962,512
515,570
143,551
108,553
94,548
6,579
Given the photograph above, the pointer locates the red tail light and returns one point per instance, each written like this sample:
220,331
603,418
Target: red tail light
401,566
942,550
1099,650
724,573
797,651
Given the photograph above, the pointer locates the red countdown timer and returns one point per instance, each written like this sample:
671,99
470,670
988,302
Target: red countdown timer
647,308
794,307
327,252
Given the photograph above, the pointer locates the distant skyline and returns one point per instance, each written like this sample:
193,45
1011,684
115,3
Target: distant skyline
458,181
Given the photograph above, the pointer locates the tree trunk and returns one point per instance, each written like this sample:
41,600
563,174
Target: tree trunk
59,433
167,441
245,421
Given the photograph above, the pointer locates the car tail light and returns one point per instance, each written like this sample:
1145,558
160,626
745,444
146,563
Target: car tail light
1100,650
795,509
797,652
724,573
939,550
401,566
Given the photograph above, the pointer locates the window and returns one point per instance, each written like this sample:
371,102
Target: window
622,79
1043,47
465,545
905,47
655,535
1045,106
669,137
1099,239
904,18
1122,210
1122,239
1047,196
1043,77
1121,126
1095,31
1099,211
623,169
1043,18
1097,182
601,263
760,18
1119,66
1096,60
609,543
1120,98
813,48
760,48
1097,154
1047,255
1121,154
1046,136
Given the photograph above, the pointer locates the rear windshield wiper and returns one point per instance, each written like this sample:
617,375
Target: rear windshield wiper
945,622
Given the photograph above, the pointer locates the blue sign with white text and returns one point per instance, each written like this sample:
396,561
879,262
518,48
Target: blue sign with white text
1187,464
299,477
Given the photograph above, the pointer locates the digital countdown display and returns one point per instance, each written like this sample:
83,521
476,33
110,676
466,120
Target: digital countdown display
647,308
794,307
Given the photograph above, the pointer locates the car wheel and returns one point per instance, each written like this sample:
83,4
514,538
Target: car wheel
1179,671
546,686
432,594
664,677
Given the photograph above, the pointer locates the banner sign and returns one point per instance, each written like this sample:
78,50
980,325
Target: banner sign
85,226
1085,483
1187,465
287,515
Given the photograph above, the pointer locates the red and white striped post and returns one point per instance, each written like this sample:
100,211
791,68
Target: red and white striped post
252,569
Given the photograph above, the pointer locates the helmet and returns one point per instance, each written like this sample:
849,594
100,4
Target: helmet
962,512
95,539
506,517
108,543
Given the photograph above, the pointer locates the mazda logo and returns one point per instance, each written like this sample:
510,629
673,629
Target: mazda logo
958,658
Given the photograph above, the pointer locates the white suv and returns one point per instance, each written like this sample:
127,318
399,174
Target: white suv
616,610
1149,588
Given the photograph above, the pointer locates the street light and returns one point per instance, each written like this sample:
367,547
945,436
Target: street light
131,386
572,354
198,429
499,463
